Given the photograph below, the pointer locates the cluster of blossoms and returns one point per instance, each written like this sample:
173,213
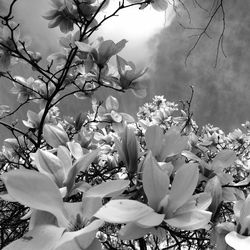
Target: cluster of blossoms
140,174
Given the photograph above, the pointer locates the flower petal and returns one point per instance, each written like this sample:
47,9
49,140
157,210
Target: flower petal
155,181
150,220
192,220
153,137
81,238
237,241
183,186
40,238
108,189
131,231
123,211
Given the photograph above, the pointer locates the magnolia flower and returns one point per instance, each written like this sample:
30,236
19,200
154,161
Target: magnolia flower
54,224
239,239
62,15
34,119
129,75
103,51
60,169
177,206
24,88
215,176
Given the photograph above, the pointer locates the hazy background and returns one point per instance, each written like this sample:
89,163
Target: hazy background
222,94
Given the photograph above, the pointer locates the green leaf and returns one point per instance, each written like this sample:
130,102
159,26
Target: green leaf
36,190
123,211
155,181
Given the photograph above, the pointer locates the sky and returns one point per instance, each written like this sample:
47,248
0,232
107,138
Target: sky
136,26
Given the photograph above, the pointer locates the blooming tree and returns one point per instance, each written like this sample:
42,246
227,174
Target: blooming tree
107,180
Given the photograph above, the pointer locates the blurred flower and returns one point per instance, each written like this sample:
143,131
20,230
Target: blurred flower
7,43
129,75
102,51
62,15
23,88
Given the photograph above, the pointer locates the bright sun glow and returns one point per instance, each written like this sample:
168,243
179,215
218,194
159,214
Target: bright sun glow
137,26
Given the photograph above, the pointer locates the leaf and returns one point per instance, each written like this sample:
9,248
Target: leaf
155,181
36,190
40,238
183,186
108,189
191,220
123,211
